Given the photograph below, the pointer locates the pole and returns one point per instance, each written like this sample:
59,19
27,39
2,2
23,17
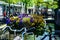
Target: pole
50,33
9,7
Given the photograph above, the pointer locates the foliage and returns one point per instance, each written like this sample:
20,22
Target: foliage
39,24
30,3
11,1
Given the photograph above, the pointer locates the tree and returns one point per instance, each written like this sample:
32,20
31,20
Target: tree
53,5
11,1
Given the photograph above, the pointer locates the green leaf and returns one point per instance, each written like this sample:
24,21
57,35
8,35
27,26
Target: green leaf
11,1
41,0
55,6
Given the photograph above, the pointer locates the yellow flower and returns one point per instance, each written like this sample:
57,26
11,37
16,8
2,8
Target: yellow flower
18,21
32,24
15,17
12,19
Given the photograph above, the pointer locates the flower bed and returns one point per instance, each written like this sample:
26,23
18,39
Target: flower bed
28,21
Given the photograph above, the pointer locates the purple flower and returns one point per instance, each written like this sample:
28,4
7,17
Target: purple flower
22,15
7,21
31,20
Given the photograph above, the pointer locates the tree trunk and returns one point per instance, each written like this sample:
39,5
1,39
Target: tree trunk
25,7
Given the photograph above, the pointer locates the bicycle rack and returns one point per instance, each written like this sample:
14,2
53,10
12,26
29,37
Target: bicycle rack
16,31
